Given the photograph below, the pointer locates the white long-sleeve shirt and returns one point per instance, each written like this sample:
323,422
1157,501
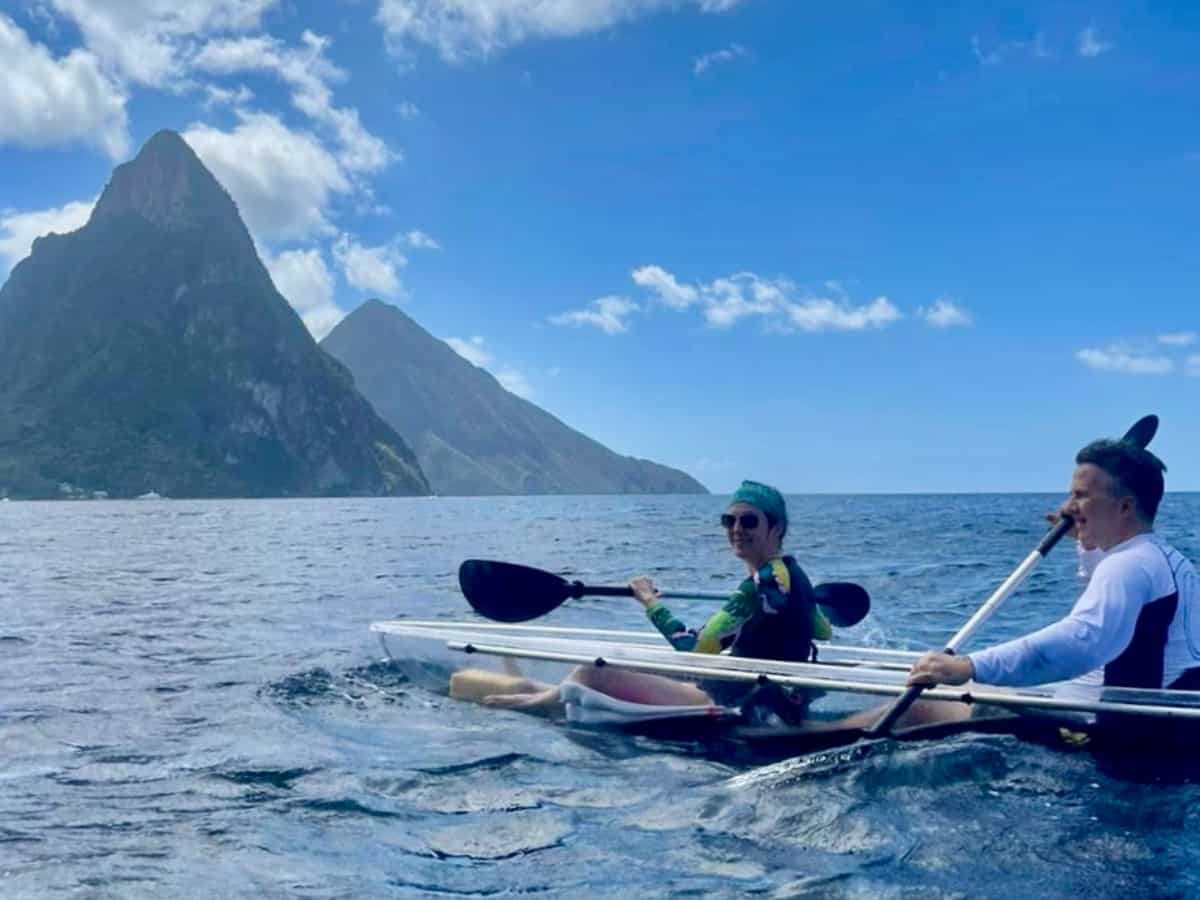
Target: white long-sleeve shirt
1102,622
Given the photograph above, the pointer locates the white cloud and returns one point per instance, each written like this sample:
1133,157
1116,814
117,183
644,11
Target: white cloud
1090,46
1178,339
999,52
664,284
463,28
1193,365
421,241
144,40
177,46
46,101
1121,359
724,301
515,383
305,281
726,55
408,110
1087,44
945,313
608,314
828,315
219,96
282,180
19,229
308,73
471,350
728,299
993,55
371,269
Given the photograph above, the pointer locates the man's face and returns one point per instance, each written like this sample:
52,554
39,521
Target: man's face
1101,519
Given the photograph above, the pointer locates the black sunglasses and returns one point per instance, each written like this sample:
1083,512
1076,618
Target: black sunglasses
748,521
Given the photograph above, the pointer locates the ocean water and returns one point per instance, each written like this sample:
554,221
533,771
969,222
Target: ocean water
191,705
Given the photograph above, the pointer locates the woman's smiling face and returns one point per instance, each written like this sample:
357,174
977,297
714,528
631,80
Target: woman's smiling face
753,540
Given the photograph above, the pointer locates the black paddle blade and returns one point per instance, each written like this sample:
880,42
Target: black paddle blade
1142,431
507,592
843,602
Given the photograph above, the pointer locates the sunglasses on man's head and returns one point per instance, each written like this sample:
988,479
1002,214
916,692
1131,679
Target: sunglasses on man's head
748,521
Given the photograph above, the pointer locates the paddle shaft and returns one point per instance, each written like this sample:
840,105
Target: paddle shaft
587,590
1002,593
843,603
509,592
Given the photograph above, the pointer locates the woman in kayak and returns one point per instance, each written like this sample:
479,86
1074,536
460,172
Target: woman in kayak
772,615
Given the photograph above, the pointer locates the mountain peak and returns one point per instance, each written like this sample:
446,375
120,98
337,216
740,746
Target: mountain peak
167,184
165,141
150,350
472,436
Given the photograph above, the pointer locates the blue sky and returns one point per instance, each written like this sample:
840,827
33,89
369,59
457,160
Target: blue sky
871,249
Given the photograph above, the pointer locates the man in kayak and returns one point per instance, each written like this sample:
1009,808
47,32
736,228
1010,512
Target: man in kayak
1137,623
772,615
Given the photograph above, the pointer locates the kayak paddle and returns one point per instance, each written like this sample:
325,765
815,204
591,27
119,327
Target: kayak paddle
508,592
1140,433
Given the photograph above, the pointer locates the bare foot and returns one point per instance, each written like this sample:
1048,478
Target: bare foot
533,700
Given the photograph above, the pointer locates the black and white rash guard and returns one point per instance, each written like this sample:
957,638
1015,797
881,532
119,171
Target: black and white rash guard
1138,620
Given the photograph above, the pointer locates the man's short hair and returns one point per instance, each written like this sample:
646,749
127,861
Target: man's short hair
1135,471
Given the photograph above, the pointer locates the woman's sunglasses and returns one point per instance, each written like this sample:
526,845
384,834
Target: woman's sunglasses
748,521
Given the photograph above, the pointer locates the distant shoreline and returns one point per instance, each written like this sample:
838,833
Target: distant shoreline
452,497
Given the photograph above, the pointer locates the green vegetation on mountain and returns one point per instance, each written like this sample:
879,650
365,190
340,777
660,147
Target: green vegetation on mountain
149,351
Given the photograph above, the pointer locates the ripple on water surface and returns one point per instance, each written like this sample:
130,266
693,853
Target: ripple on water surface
194,706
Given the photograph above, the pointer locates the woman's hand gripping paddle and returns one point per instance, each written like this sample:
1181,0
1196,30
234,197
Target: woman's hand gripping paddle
1141,433
508,592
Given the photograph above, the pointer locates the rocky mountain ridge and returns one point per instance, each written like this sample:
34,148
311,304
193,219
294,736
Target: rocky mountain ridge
150,351
470,434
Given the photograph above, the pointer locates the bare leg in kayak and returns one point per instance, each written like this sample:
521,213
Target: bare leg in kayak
923,712
633,687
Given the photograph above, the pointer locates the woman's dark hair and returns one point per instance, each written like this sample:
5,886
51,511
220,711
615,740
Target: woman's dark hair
1135,472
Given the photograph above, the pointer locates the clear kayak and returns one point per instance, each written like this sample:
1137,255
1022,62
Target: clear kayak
840,674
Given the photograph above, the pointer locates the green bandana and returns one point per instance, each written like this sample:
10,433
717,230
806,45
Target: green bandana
764,497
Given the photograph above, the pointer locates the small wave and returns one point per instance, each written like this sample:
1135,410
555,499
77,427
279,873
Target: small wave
511,837
278,778
949,762
126,759
431,889
827,763
301,687
347,806
382,675
11,836
381,680
488,763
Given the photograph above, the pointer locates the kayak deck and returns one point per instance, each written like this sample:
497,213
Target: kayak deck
841,668
1168,722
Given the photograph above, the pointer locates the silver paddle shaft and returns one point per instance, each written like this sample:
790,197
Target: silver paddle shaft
1002,593
1011,583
